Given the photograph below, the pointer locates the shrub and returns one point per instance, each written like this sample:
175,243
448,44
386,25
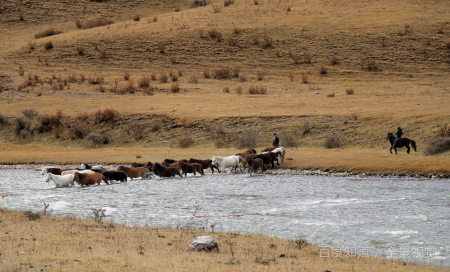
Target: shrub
136,17
57,131
332,142
20,124
216,8
30,113
126,75
257,90
305,128
96,80
177,9
130,87
238,90
331,94
226,89
291,75
186,122
219,36
236,30
47,32
301,243
20,16
185,142
155,125
79,48
349,91
72,78
287,139
31,45
372,66
438,145
408,28
354,116
260,75
47,122
96,23
175,87
82,117
296,58
100,88
32,215
206,73
102,54
153,76
78,23
180,72
304,79
78,131
198,3
105,115
144,82
232,42
308,58
334,61
288,9
193,79
147,91
155,19
222,73
21,72
48,45
138,131
246,139
174,77
219,128
3,119
226,3
267,41
323,70
256,2
163,78
95,138
212,33
444,131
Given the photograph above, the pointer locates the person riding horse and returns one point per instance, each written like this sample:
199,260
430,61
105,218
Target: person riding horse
399,135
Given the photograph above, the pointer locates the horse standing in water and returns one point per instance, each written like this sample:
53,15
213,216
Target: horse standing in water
402,142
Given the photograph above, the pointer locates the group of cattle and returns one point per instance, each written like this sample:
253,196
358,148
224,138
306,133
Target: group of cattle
87,175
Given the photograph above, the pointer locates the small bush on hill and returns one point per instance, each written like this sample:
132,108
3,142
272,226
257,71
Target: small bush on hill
332,142
96,80
20,124
222,73
287,139
96,23
48,45
105,115
3,119
144,82
257,90
438,145
198,3
79,131
47,32
30,113
185,142
137,18
349,91
47,122
305,128
32,215
95,139
246,139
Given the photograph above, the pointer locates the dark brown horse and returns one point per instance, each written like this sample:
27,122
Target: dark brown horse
169,161
190,168
205,164
269,149
54,170
268,158
254,165
246,153
88,179
402,142
133,172
166,172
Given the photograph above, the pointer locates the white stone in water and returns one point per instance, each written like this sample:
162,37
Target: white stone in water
205,243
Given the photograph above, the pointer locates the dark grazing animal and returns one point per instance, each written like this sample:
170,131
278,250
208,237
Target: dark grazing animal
269,149
402,142
205,164
136,164
55,171
254,165
133,172
268,158
115,175
166,172
247,152
169,161
88,179
190,168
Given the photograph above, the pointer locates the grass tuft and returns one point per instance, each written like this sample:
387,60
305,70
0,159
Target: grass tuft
47,32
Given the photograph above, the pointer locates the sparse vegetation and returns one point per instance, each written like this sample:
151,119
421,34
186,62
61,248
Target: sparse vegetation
260,75
437,146
185,142
147,91
96,79
349,91
198,3
105,115
226,3
20,126
47,32
193,79
246,139
354,116
305,128
96,23
222,73
287,139
177,9
206,73
137,18
144,82
48,45
94,139
163,78
323,70
332,142
30,113
334,61
226,89
257,90
175,87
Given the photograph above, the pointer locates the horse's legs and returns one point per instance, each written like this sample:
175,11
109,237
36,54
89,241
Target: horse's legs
395,148
390,150
212,169
409,149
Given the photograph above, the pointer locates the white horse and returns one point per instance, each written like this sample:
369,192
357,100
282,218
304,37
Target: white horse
95,167
60,181
70,172
226,162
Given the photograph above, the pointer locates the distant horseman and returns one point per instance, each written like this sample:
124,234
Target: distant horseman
399,135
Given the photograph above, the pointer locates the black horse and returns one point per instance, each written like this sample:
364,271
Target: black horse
402,142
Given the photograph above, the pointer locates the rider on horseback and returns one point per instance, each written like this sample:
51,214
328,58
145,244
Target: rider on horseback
399,135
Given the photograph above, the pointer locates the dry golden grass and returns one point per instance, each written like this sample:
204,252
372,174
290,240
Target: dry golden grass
69,244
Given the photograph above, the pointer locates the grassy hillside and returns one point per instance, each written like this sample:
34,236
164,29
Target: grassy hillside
356,70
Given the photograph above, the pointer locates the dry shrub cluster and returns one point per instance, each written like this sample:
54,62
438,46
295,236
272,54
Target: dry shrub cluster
223,140
79,48
93,23
257,90
3,119
216,8
246,139
193,79
163,78
198,3
295,57
31,45
222,73
372,66
155,125
206,73
94,139
226,89
173,60
174,77
444,131
305,128
96,80
304,79
105,115
354,116
137,130
186,122
323,70
79,130
147,91
30,113
47,32
126,75
260,75
175,87
334,61
161,47
267,41
20,126
57,130
332,141
236,30
48,45
349,91
144,82
32,215
185,142
232,42
130,87
438,145
226,3
137,18
47,122
331,94
238,90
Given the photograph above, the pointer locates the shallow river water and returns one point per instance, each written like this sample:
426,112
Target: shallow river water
396,218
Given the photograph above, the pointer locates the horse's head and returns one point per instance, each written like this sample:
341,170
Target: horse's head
49,177
76,177
389,135
44,170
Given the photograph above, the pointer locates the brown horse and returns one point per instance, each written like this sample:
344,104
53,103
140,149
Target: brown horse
268,158
269,149
172,163
166,172
88,179
133,172
205,164
254,165
190,168
246,153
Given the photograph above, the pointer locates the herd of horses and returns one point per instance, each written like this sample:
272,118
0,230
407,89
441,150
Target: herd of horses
89,175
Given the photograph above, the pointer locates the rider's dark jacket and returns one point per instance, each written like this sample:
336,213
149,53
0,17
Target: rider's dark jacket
399,133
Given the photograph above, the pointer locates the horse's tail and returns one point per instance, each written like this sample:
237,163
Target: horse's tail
413,144
105,179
